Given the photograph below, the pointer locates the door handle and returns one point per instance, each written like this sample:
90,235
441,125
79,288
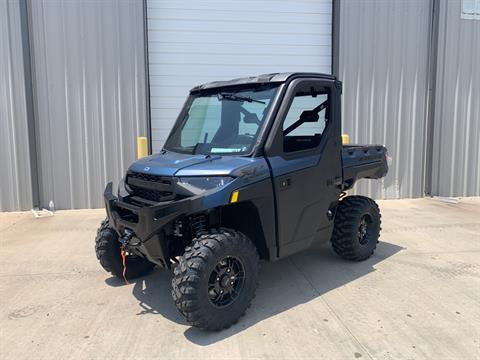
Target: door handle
285,183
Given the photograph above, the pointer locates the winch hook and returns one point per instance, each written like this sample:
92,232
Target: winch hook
124,241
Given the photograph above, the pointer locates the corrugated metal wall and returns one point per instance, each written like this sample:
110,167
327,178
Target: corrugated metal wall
192,42
16,187
383,65
89,88
456,150
88,62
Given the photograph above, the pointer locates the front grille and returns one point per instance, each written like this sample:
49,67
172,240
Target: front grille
150,187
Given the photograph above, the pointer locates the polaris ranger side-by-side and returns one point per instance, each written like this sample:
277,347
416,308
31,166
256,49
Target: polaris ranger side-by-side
253,169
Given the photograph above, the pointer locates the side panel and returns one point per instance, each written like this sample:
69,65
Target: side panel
16,185
383,49
456,146
89,94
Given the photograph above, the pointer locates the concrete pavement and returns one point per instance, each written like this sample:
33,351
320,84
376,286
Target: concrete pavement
418,297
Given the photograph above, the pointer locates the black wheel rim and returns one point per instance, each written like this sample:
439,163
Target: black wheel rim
226,281
363,229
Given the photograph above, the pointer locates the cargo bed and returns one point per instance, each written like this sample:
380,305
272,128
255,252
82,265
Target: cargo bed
363,161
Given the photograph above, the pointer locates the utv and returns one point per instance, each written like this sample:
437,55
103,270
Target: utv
253,169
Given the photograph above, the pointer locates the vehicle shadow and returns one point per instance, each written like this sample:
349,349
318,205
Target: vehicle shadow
283,285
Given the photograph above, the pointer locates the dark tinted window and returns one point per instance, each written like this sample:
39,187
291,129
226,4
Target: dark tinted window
305,121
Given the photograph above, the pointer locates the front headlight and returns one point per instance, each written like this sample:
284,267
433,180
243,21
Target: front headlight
196,185
121,190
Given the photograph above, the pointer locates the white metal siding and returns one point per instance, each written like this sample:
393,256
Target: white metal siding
456,152
15,185
88,60
384,66
193,42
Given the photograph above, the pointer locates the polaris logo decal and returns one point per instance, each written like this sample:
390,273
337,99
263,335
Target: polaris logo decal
146,168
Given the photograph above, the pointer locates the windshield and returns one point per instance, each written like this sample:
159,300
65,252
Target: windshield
226,122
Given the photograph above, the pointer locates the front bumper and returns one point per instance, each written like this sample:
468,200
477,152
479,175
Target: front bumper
146,222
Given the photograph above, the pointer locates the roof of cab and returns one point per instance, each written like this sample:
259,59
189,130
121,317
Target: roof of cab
261,79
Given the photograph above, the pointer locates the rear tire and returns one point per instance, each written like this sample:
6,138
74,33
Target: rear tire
216,279
357,228
107,249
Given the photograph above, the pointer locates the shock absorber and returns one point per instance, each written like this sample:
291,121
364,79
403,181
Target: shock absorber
199,225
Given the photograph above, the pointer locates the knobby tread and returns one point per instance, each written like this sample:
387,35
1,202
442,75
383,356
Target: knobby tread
347,218
104,232
188,283
107,250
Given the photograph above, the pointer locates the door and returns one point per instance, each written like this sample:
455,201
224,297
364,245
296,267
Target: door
191,42
304,152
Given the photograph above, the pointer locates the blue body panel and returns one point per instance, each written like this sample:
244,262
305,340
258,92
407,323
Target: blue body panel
281,166
175,164
244,170
168,163
227,166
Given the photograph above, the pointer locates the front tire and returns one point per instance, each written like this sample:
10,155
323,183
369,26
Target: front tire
107,249
357,228
216,278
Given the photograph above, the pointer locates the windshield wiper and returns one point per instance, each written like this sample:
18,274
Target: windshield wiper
233,97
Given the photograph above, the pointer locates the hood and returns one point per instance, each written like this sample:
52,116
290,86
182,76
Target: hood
175,164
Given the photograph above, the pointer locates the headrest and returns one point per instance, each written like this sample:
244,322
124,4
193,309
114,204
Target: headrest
309,116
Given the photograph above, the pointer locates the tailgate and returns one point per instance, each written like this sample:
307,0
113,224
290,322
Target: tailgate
363,161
